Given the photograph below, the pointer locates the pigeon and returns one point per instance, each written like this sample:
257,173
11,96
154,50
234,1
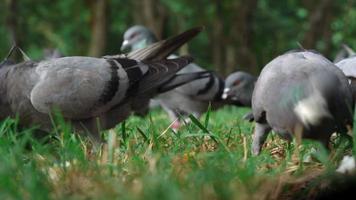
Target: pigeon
344,52
301,94
239,87
137,37
192,98
50,53
348,66
92,94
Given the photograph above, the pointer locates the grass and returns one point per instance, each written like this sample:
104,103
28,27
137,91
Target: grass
208,159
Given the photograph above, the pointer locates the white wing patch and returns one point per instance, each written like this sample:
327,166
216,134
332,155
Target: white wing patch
347,165
312,110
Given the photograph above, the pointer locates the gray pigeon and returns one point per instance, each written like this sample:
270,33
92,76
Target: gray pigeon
92,93
345,52
192,98
137,37
301,93
50,53
348,66
239,87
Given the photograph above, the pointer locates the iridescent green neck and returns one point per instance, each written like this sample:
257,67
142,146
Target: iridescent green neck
140,44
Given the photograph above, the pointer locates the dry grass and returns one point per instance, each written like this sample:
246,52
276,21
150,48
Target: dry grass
209,162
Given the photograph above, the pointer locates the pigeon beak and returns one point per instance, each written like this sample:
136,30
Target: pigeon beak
125,45
225,93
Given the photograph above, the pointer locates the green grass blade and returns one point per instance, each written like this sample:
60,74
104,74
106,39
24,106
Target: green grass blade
214,137
145,138
207,117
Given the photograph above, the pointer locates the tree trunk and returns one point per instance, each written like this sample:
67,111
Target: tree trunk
319,24
217,39
230,58
98,28
241,35
13,26
12,22
151,14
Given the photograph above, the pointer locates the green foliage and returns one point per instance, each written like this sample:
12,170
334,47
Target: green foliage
277,26
155,163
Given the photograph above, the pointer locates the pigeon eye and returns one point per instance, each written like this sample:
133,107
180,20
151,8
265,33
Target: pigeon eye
133,35
237,82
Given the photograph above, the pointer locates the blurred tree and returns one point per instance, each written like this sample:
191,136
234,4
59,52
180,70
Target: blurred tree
12,24
239,34
322,13
98,16
152,14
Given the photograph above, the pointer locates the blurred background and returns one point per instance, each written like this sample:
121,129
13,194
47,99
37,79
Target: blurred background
239,34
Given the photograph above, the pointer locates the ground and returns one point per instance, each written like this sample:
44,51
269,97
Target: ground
144,159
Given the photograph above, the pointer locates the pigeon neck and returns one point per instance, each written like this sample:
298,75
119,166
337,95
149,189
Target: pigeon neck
140,44
220,91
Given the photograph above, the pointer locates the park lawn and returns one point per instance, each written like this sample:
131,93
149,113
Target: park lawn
144,159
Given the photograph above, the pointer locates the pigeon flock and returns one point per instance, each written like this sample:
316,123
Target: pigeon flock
92,93
298,94
191,98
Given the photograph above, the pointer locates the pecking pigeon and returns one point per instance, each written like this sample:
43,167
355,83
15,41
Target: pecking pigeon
348,66
192,98
239,87
92,93
301,93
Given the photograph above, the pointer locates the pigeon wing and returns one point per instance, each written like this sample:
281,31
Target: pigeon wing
82,87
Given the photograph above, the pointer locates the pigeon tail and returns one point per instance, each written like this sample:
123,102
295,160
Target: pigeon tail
162,72
181,79
160,50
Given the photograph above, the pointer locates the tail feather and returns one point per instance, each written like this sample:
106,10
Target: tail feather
161,71
181,79
162,49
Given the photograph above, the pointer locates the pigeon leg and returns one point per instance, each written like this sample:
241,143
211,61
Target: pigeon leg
248,117
173,116
259,137
196,115
285,135
176,125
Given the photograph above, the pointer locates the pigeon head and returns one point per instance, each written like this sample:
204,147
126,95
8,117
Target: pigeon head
238,88
137,37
